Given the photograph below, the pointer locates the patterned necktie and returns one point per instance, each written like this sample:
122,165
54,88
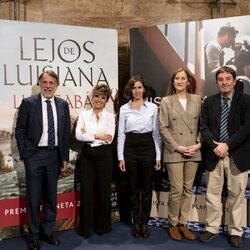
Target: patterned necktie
51,128
224,119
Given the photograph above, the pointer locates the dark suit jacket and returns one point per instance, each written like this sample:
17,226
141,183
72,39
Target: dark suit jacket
238,130
29,126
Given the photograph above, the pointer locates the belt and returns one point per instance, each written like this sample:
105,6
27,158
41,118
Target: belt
47,148
101,147
139,134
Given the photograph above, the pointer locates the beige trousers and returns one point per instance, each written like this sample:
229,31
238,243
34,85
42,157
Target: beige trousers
181,177
236,185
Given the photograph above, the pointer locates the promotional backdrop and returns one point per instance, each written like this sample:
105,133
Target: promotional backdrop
157,52
82,57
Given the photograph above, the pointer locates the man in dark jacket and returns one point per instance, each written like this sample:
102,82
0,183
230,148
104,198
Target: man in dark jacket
42,135
225,129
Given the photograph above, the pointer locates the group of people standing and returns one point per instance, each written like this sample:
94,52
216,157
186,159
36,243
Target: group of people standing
220,126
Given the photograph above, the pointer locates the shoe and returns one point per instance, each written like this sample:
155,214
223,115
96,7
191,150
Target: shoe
207,236
186,233
51,239
145,232
235,241
174,233
136,230
34,244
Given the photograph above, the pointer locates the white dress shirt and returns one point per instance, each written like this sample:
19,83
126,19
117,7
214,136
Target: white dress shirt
138,121
87,120
44,138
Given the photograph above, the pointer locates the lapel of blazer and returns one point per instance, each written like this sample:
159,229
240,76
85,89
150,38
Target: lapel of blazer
59,113
216,104
38,109
180,110
234,105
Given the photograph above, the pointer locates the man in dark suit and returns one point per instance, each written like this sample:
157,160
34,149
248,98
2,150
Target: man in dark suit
225,128
43,144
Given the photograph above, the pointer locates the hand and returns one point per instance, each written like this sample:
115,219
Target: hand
193,149
188,151
157,165
64,167
221,150
104,137
184,151
122,165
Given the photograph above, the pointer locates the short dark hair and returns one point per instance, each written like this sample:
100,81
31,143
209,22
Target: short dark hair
50,73
130,84
102,90
225,69
227,29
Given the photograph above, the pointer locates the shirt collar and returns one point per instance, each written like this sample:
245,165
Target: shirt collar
101,114
145,103
45,99
230,97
